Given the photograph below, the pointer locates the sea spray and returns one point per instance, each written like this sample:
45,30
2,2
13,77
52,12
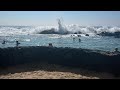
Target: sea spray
62,29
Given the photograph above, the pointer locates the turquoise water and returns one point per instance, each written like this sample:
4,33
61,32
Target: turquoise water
87,42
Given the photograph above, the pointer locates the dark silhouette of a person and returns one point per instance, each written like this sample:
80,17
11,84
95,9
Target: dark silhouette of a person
79,40
17,43
116,50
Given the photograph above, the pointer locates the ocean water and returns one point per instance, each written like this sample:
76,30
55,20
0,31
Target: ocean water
29,36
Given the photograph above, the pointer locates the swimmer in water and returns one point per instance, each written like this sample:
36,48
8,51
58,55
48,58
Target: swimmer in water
116,50
79,40
3,42
17,43
50,45
73,38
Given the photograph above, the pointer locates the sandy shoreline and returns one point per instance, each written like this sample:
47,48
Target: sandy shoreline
50,71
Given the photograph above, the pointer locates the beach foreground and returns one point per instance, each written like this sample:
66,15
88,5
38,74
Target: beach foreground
50,71
91,60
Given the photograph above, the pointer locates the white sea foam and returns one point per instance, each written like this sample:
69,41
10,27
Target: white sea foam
6,31
61,29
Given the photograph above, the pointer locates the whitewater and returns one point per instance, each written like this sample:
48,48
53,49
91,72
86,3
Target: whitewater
71,29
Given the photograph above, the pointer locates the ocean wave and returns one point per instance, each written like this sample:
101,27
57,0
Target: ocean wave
49,29
60,29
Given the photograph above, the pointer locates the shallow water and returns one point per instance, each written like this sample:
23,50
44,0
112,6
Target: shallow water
87,42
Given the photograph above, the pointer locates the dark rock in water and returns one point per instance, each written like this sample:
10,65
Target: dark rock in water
75,33
78,32
106,34
86,34
50,31
79,35
116,34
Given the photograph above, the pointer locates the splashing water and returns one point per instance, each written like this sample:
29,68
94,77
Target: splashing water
62,29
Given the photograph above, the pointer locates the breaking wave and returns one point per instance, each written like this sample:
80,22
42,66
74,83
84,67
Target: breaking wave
60,29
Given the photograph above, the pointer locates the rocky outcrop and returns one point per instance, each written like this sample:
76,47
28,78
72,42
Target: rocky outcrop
115,34
51,31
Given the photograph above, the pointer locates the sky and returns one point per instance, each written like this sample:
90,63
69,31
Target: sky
49,18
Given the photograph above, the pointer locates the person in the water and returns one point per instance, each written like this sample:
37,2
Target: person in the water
50,45
116,50
79,40
3,42
17,43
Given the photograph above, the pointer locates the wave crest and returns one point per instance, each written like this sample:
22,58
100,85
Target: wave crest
60,29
